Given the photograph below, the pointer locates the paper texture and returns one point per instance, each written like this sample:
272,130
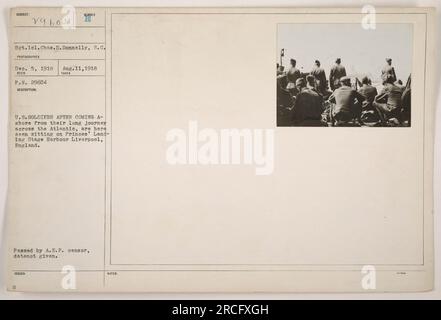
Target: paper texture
151,150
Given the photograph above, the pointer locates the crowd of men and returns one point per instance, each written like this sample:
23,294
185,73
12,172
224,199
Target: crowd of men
309,99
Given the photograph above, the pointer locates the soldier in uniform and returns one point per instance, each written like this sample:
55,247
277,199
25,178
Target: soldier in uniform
280,70
347,102
336,73
387,71
368,91
284,106
308,106
310,83
320,77
281,76
292,75
388,102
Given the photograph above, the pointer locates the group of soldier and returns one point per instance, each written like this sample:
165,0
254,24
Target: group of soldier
309,99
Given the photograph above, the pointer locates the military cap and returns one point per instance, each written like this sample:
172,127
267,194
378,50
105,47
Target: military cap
300,82
309,78
345,79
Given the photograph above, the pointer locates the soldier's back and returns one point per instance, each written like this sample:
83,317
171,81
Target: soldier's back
369,92
293,74
394,95
309,105
339,71
344,97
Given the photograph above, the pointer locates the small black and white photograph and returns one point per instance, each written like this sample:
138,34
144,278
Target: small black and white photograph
343,75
